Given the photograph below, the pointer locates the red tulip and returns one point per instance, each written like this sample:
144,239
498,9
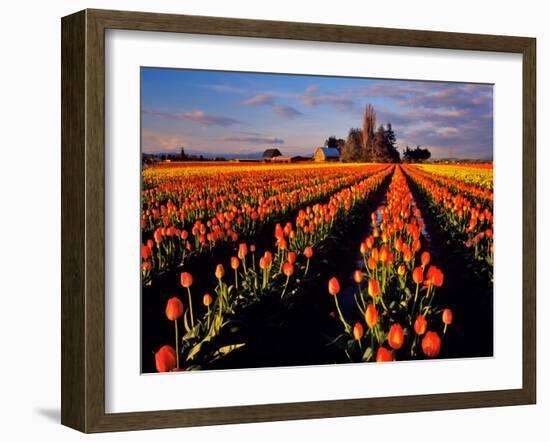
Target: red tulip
174,309
418,275
431,344
186,279
264,264
308,252
435,276
371,263
447,316
384,355
333,286
145,252
396,336
358,331
165,359
420,325
425,258
291,258
371,316
243,251
374,288
288,269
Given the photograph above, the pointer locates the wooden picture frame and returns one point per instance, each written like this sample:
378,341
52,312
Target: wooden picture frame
83,219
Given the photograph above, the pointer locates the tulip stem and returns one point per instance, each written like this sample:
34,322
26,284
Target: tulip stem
177,346
284,288
191,307
346,325
307,267
236,280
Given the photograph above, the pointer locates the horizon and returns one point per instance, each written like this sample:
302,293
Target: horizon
219,113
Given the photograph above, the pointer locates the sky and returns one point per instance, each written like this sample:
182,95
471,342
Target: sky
239,113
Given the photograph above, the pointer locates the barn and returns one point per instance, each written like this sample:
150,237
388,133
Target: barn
326,154
270,154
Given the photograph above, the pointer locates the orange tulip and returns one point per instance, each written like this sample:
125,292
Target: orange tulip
396,336
384,355
425,258
288,269
264,263
165,359
358,331
371,316
435,276
235,263
431,344
447,316
374,288
186,279
243,251
333,286
358,276
401,270
418,275
308,252
174,309
420,325
371,263
207,299
291,258
219,271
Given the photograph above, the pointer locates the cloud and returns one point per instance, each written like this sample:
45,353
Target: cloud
259,99
268,99
254,139
225,88
196,116
311,97
153,142
286,111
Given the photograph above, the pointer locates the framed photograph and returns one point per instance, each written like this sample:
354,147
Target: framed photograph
268,220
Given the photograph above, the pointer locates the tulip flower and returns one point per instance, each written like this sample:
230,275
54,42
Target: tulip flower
396,337
235,265
165,359
308,253
447,318
174,311
357,331
186,281
358,276
425,259
371,316
374,288
431,344
384,355
333,286
334,289
401,270
243,251
420,325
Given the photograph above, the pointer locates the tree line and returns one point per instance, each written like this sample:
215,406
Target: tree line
374,144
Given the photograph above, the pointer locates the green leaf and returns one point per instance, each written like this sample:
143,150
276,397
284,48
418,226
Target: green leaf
367,356
223,351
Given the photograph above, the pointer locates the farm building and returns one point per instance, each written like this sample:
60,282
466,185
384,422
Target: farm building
326,154
270,154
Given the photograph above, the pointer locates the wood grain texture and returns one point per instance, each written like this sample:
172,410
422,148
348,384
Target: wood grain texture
73,255
83,219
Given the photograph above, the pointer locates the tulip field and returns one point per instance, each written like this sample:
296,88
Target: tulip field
260,265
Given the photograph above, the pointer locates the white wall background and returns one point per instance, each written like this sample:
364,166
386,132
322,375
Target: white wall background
30,217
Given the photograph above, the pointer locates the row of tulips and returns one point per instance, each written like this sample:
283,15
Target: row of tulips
181,201
476,183
253,276
170,247
395,315
468,220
